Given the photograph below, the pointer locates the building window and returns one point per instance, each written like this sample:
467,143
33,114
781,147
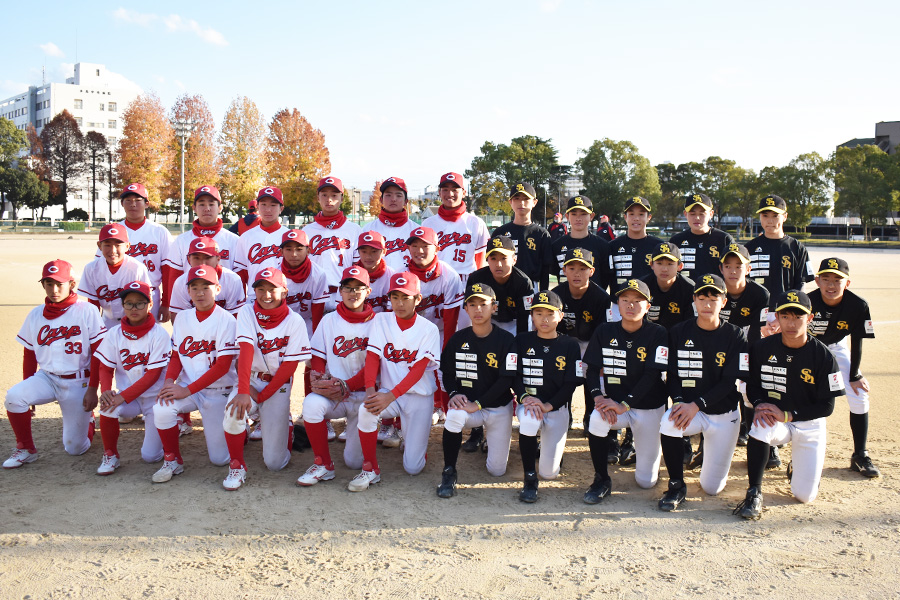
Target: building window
79,104
112,139
98,72
112,107
112,124
102,106
78,120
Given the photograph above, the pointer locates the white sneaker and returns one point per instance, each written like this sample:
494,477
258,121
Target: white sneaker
331,433
169,469
109,465
438,416
256,434
236,477
342,436
384,432
19,458
365,478
125,420
393,439
316,473
184,428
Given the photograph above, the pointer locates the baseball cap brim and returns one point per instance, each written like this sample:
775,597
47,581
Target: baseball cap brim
545,305
581,260
743,258
480,295
774,209
835,271
631,289
709,286
125,292
584,208
506,251
666,255
641,204
698,203
797,305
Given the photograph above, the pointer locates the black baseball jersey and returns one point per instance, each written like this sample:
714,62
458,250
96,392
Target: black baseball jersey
705,365
672,306
630,258
779,265
630,364
513,297
803,381
831,324
549,370
701,254
534,255
748,311
598,247
582,315
481,368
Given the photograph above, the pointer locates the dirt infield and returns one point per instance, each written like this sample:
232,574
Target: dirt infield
65,532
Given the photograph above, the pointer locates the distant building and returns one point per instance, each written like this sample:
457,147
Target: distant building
887,137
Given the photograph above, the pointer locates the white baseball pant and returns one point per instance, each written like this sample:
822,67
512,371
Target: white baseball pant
211,404
554,428
497,423
807,452
151,450
858,401
43,388
274,414
318,408
509,326
416,411
644,424
720,433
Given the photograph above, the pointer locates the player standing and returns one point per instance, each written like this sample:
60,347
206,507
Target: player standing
307,288
580,213
513,288
672,293
371,248
393,223
260,247
702,246
204,251
630,255
533,245
778,261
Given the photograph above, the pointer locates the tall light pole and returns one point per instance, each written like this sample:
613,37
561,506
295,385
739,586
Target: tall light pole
183,129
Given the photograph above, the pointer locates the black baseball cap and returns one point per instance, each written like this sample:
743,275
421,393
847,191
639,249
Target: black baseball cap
698,199
637,201
793,299
710,281
582,202
501,243
522,188
835,265
738,250
480,290
547,299
667,250
635,285
581,255
773,203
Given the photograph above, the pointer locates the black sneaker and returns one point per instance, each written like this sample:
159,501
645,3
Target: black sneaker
863,464
674,496
529,491
743,436
627,454
447,489
475,438
599,490
612,455
790,470
751,506
774,459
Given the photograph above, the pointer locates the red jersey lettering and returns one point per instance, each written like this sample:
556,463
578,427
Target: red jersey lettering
453,239
191,348
344,347
391,246
274,345
130,361
106,294
142,249
319,244
430,301
399,356
259,253
47,335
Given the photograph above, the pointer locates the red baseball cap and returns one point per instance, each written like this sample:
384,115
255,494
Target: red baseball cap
355,273
137,189
114,231
395,181
453,178
295,235
331,182
426,234
372,239
138,287
273,276
253,204
270,192
203,272
204,245
207,190
57,270
405,282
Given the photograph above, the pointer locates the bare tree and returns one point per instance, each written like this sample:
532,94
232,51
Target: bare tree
63,154
95,147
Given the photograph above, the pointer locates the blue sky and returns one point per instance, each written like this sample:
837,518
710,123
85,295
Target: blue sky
412,89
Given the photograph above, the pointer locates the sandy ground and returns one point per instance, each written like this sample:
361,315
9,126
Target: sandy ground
65,532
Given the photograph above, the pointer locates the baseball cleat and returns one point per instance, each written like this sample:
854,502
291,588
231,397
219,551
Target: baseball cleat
237,475
384,432
184,428
612,453
365,478
627,455
774,459
688,451
109,465
393,440
790,471
331,433
529,491
170,468
599,490
475,438
447,489
125,420
863,464
674,496
751,506
19,457
316,473
256,434
743,436
342,436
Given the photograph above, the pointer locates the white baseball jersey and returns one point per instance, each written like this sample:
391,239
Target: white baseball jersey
131,357
378,298
342,345
150,243
395,254
102,285
400,350
332,249
459,241
231,298
258,248
178,251
301,296
446,291
199,343
63,345
271,347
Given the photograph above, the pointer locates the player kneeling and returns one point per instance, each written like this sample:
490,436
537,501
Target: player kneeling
338,387
550,370
273,341
478,365
794,381
625,361
61,338
136,351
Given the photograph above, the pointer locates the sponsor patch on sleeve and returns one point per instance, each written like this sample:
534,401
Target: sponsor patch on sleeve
744,364
870,329
579,368
512,361
809,268
835,382
528,300
662,355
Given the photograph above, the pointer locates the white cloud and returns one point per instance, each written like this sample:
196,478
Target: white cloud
121,82
550,5
209,35
130,16
51,49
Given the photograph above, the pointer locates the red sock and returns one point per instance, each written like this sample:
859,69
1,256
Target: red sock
387,422
21,426
441,400
318,439
369,442
186,418
235,443
307,384
109,433
170,443
92,428
290,436
398,423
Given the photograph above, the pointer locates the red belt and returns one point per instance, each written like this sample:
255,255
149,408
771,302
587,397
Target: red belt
75,375
264,377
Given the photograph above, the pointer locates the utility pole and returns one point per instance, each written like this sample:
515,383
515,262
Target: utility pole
183,129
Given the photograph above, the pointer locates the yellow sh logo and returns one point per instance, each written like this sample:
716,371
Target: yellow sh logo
832,264
745,312
578,200
477,288
492,360
531,244
714,252
633,284
543,298
673,308
664,248
649,259
642,353
842,325
807,377
720,359
697,198
520,187
793,297
577,253
733,248
708,280
497,243
588,317
786,262
770,201
560,363
510,302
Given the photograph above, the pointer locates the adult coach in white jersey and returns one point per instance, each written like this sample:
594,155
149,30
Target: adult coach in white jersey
393,223
332,238
260,247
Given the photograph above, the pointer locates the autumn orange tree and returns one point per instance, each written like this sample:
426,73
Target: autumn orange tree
199,152
147,147
375,200
242,154
296,159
